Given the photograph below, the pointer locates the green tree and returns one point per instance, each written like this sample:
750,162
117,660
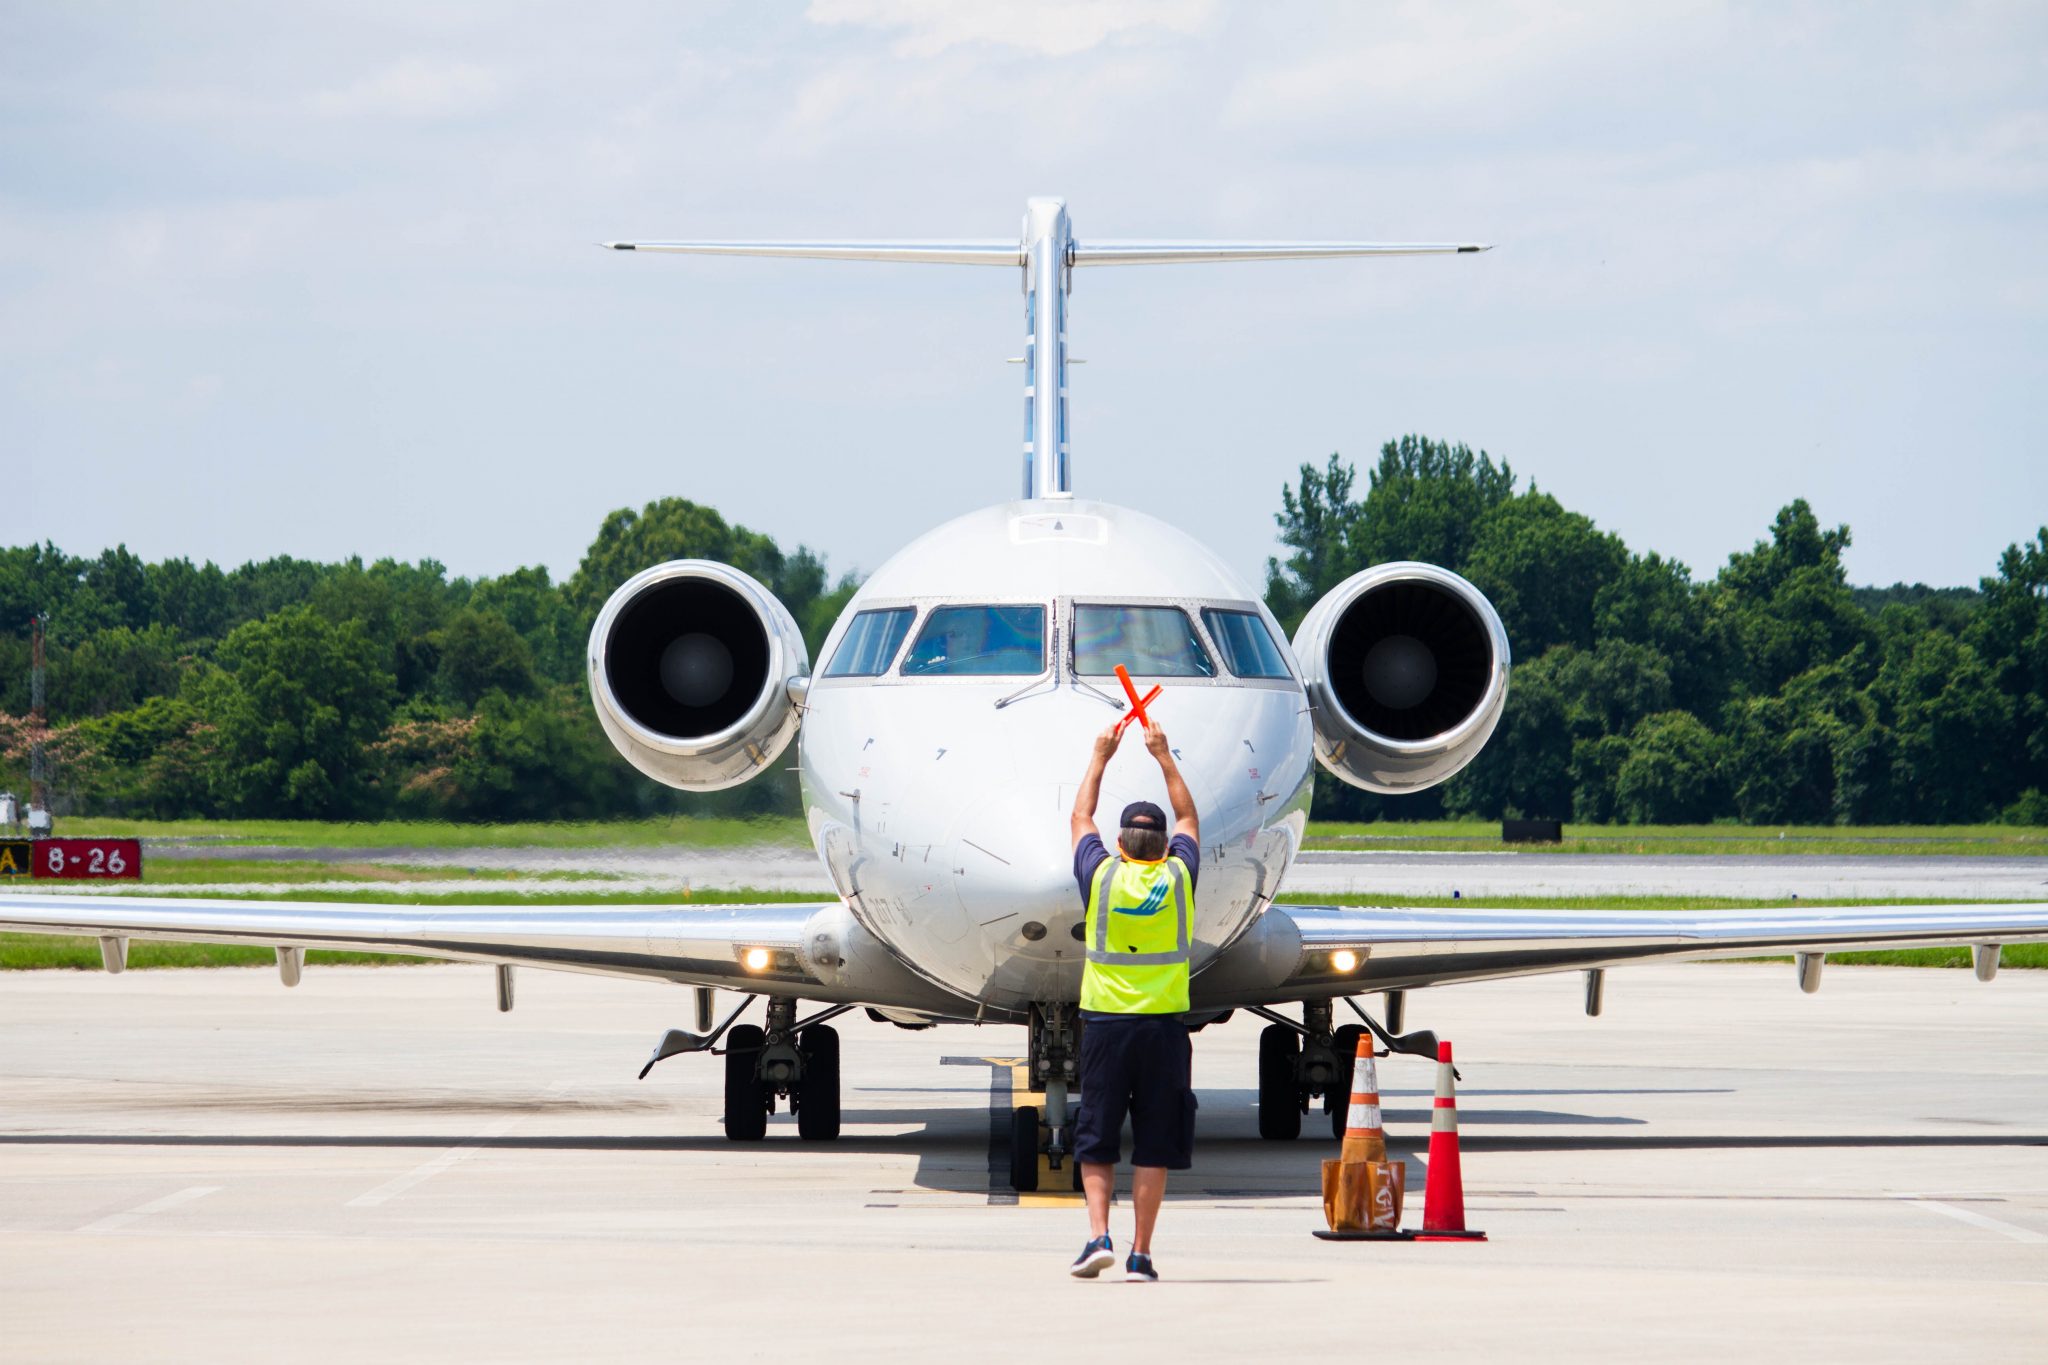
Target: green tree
1653,601
1425,500
152,761
479,652
115,670
1788,607
1543,568
1526,768
1318,523
676,528
2010,634
193,600
294,704
1562,736
1809,754
540,612
1952,728
1672,774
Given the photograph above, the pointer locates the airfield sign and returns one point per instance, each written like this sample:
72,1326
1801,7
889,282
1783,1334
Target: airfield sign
72,859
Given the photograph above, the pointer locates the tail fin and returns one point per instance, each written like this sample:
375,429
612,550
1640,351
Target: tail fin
1048,254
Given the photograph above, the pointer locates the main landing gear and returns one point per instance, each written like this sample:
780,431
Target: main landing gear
1054,1057
783,1058
1298,1062
796,1062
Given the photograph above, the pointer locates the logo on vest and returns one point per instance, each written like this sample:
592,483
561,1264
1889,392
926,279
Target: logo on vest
1154,902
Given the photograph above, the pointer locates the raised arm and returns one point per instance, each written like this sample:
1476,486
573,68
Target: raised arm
1083,822
1185,820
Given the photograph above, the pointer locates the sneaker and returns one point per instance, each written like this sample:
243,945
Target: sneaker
1095,1258
1139,1267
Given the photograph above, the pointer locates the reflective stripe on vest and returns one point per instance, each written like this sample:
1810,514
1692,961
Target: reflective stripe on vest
1099,912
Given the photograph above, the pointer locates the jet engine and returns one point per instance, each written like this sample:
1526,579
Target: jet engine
694,669
1406,669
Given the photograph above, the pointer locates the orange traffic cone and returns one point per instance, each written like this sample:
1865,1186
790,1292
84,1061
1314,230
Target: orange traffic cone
1361,1188
1443,1197
1364,1138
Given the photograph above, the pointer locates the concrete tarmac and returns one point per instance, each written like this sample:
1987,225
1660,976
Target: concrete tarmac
202,1165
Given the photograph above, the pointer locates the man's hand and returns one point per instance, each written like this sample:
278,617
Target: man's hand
1185,820
1106,742
1155,741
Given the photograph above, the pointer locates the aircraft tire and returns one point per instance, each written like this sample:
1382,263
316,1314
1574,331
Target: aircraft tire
1279,1093
817,1109
746,1103
1338,1102
1024,1149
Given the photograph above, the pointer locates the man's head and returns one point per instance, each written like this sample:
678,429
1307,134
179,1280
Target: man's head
1141,833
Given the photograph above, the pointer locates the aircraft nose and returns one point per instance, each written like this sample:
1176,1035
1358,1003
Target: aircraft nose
1013,861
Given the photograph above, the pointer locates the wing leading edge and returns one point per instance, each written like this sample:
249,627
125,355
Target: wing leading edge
1286,955
815,950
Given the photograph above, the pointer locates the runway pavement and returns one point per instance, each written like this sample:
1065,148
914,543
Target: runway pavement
204,1166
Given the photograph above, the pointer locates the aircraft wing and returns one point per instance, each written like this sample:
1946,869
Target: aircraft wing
814,950
1287,955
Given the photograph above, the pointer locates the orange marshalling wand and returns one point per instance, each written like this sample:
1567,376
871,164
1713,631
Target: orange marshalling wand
1138,703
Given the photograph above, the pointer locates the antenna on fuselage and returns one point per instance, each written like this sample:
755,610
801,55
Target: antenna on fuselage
1048,254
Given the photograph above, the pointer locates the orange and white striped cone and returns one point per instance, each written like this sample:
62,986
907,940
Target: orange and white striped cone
1364,1138
1443,1197
1361,1188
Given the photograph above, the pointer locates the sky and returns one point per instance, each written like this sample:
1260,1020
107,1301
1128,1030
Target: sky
319,279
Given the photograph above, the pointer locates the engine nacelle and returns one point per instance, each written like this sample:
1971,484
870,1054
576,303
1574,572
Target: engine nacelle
1406,668
691,666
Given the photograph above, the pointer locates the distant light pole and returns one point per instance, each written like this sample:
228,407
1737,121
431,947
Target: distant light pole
38,728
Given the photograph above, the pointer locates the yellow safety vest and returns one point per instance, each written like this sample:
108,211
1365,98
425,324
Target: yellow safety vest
1141,918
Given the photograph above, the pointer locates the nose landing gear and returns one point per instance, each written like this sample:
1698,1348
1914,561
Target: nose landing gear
1054,1060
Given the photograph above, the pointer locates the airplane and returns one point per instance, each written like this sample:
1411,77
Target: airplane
939,748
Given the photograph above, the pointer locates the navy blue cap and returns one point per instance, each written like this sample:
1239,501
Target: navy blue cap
1143,815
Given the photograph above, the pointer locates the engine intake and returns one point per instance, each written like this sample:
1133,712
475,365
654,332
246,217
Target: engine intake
1406,668
690,670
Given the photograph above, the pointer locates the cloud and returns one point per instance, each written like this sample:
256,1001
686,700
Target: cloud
1050,28
1468,64
416,88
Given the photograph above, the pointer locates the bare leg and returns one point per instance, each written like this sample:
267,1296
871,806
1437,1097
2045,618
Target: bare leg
1148,1187
1098,1182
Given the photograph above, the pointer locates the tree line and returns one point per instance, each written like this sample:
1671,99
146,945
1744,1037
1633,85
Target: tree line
1772,693
294,689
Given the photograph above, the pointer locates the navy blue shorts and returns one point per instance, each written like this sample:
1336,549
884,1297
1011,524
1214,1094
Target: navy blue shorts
1136,1064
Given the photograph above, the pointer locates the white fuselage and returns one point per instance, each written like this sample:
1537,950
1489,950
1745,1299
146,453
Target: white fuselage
940,804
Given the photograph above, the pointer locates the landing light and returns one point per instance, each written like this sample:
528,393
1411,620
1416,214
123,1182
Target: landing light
1344,960
757,959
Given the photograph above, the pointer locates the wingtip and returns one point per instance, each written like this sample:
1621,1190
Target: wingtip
615,246
1486,246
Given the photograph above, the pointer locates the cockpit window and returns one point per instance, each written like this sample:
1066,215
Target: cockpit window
871,643
1155,642
1248,648
979,642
